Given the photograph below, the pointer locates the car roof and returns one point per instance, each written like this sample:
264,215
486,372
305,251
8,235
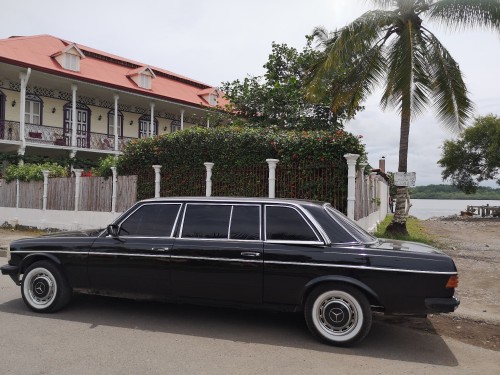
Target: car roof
301,202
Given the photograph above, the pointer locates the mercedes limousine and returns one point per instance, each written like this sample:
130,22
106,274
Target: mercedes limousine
289,255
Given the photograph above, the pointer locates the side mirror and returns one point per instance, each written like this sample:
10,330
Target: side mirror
113,230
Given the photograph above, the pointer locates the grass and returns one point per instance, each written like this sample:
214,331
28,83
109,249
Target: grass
416,231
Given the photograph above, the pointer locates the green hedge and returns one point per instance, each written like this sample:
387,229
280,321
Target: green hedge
236,147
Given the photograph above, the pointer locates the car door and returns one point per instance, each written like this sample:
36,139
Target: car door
137,261
290,253
218,253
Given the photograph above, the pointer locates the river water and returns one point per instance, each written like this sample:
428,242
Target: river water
427,208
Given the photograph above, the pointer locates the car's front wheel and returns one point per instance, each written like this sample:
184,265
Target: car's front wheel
338,314
44,287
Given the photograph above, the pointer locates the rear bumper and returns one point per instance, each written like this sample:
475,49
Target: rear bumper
443,305
12,271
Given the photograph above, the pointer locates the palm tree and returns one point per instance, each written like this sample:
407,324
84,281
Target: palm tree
392,46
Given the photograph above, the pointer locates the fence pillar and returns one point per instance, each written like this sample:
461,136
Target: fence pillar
113,191
157,180
17,193
351,183
272,177
78,176
208,188
45,189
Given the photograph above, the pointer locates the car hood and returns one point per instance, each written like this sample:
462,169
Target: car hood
405,246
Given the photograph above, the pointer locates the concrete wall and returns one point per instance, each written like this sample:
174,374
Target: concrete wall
64,220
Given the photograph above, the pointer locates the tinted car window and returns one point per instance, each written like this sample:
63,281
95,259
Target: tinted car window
336,232
245,223
285,223
151,220
350,225
206,221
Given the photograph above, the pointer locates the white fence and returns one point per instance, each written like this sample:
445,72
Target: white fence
367,201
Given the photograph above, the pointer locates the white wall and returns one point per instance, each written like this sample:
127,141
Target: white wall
64,220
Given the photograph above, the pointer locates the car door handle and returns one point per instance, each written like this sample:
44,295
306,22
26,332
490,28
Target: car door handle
160,249
250,254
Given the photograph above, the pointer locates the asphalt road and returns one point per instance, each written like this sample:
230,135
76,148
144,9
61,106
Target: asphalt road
98,335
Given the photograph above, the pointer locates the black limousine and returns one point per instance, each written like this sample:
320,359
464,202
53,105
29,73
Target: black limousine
289,255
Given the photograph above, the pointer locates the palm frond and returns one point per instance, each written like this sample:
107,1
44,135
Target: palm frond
460,14
407,81
450,94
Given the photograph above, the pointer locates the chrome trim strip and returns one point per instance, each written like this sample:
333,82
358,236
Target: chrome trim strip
217,259
250,261
359,267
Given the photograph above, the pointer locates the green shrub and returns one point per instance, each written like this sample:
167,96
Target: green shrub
33,172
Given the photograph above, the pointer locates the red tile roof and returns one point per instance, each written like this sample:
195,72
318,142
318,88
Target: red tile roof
102,68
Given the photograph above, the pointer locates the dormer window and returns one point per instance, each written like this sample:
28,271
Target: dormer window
145,81
142,77
69,58
212,99
72,62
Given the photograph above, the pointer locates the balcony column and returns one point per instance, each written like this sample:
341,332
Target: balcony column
182,119
115,121
24,77
152,121
74,115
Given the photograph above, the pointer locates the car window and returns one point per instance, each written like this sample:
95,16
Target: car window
335,232
157,220
206,221
245,223
286,223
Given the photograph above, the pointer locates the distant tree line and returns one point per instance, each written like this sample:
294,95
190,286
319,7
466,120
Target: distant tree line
452,192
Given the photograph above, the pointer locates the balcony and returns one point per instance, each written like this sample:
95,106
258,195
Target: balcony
55,136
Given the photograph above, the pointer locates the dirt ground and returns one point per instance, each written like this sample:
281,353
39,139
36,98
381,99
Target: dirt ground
474,244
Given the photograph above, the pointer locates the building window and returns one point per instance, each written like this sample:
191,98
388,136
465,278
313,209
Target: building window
72,62
212,99
33,110
111,124
144,128
175,126
145,81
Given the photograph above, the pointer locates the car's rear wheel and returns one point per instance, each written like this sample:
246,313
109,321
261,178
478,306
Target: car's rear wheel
338,314
44,287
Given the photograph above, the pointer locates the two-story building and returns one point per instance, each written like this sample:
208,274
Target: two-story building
62,98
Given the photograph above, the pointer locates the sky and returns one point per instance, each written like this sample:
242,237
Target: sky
223,40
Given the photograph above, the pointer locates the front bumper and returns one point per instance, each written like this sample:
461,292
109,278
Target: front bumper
442,305
12,271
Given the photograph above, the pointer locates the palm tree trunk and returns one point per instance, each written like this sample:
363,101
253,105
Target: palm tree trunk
398,224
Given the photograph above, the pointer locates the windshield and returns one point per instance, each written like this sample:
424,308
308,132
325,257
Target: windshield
359,233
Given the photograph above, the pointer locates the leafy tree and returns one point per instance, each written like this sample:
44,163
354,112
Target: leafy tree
392,46
278,97
474,156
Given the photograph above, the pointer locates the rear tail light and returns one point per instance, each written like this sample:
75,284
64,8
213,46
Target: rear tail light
452,282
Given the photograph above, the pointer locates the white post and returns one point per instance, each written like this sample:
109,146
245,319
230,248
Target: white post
208,188
373,191
74,115
351,183
152,122
45,189
208,123
113,193
157,180
362,195
78,176
115,122
272,176
182,119
17,193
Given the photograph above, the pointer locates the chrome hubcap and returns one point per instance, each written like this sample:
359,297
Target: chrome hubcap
41,288
337,315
